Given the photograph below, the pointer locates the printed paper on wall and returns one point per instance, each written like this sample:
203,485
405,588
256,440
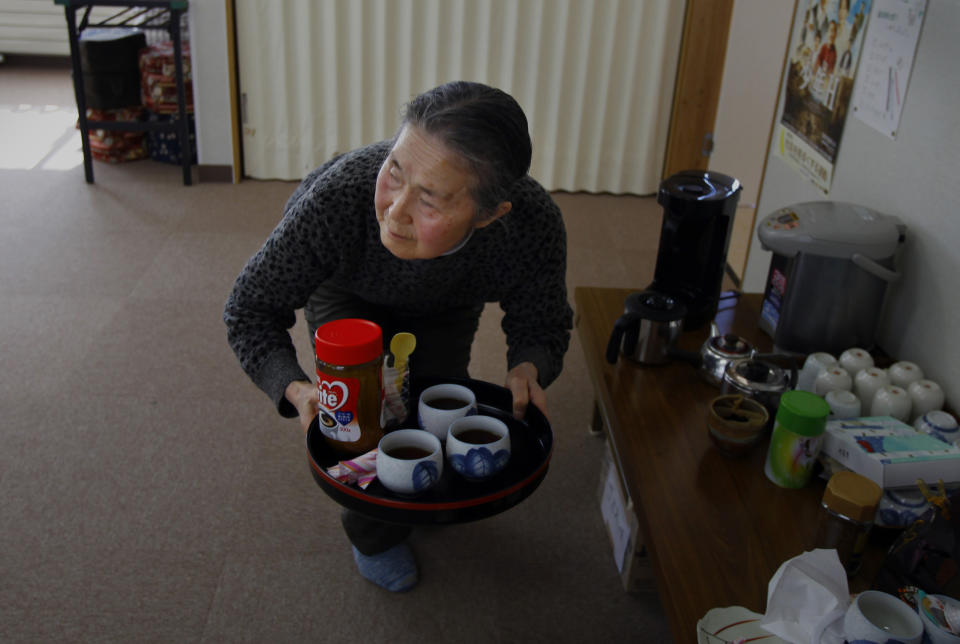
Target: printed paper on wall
824,52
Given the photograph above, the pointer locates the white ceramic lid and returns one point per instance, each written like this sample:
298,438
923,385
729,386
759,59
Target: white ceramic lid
831,229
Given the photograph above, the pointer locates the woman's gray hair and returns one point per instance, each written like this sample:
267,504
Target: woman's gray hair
483,124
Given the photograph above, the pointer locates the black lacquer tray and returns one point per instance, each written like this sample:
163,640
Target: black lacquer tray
453,500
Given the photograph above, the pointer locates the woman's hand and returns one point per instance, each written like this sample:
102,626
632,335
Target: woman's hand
522,381
303,395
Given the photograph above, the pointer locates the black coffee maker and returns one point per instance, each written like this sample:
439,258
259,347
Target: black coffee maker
698,211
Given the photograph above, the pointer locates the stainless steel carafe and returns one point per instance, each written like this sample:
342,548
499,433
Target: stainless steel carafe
648,328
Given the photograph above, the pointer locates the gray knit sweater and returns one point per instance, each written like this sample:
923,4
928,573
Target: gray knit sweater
329,234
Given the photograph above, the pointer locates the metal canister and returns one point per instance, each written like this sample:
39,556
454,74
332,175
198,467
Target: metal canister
763,381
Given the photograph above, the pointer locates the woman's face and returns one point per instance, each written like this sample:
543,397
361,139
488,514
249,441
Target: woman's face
423,199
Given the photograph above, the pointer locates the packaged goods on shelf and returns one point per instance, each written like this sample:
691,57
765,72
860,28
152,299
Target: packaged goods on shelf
158,78
158,59
115,146
165,146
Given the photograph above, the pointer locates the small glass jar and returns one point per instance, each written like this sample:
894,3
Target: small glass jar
846,515
349,359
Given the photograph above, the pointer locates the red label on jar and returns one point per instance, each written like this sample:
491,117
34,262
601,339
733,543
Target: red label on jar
337,415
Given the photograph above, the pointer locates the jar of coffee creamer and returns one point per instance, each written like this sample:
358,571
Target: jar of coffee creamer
349,355
796,438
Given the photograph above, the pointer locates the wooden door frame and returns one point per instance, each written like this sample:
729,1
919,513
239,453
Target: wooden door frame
233,67
703,49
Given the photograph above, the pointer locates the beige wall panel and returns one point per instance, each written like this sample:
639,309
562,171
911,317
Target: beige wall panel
594,76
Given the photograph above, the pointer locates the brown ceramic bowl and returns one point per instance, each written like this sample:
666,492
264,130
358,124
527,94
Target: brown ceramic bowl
735,423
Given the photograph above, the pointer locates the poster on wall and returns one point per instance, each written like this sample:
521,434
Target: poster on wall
822,65
887,60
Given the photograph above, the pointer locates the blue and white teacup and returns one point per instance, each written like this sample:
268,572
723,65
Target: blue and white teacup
478,447
440,405
409,461
898,508
939,424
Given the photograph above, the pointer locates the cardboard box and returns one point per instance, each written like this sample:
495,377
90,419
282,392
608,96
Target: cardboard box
623,528
891,453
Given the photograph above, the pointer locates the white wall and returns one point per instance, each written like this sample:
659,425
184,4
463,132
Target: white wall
748,95
915,178
594,77
211,81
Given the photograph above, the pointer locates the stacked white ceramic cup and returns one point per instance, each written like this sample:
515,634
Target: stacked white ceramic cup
853,386
907,382
814,364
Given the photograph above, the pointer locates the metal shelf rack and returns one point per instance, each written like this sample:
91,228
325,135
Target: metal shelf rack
161,15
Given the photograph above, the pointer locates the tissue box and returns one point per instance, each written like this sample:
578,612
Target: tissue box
890,453
619,517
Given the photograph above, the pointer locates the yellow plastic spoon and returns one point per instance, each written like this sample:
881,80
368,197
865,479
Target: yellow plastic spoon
401,346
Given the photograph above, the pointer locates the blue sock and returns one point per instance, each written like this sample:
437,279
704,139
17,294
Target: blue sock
393,569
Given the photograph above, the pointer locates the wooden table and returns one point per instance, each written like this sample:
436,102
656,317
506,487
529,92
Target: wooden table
716,529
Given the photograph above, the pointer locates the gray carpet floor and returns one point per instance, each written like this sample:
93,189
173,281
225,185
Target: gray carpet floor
150,493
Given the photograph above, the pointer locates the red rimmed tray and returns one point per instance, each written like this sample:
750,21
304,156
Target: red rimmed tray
453,500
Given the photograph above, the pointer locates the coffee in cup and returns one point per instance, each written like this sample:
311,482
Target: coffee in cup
409,461
442,404
478,447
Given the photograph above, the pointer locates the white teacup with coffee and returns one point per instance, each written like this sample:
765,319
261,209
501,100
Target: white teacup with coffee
478,447
440,405
409,461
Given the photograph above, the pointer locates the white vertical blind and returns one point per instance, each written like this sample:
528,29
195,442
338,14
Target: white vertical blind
595,78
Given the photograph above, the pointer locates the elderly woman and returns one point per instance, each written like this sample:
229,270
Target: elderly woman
416,234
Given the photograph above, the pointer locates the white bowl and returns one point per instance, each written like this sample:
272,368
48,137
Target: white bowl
875,616
904,372
843,404
892,401
812,366
832,379
867,383
926,395
855,360
939,424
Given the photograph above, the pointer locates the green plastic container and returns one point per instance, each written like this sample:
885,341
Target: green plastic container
796,438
